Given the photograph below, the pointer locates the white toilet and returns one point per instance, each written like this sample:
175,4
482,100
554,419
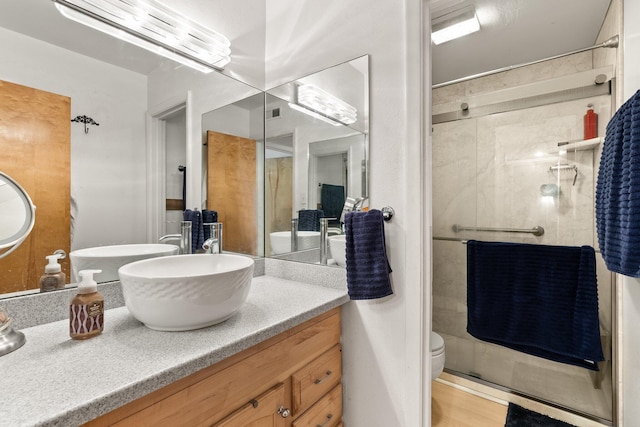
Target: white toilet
437,355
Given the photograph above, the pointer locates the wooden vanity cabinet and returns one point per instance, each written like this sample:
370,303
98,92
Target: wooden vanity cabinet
292,379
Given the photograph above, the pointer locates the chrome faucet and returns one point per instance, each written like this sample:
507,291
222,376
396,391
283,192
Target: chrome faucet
213,245
358,205
324,241
294,234
183,239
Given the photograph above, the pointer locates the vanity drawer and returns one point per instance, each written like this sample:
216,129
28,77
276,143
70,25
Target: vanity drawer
326,413
314,380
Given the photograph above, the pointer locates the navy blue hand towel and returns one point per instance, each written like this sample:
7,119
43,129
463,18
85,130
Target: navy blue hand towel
618,191
538,299
366,255
197,230
309,219
208,217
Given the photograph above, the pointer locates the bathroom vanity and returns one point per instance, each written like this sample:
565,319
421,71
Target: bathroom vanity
294,376
278,360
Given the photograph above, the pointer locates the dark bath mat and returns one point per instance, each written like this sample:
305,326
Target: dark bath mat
517,416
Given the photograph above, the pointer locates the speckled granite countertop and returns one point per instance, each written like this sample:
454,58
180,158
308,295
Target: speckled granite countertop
55,381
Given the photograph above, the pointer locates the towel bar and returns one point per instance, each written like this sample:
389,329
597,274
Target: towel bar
387,213
536,231
464,241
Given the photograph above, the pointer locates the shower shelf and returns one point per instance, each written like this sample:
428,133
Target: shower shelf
587,144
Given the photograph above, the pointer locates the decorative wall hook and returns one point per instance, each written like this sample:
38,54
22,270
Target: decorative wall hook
86,120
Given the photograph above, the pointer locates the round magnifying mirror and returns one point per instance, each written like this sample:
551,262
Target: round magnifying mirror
17,214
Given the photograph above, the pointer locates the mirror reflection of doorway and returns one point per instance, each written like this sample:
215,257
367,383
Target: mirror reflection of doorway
278,186
231,189
328,169
175,177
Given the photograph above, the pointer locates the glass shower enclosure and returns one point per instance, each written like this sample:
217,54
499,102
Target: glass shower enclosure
520,167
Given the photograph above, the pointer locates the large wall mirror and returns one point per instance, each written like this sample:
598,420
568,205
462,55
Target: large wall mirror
316,142
112,142
115,179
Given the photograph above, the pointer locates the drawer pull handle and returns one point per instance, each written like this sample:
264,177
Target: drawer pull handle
326,422
284,412
323,379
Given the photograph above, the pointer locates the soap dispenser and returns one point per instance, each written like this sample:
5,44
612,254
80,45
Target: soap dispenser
53,277
86,311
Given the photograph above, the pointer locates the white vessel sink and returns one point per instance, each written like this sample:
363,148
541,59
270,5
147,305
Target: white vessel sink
110,258
337,246
281,241
185,292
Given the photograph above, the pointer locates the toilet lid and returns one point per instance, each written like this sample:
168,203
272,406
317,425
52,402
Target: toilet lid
437,343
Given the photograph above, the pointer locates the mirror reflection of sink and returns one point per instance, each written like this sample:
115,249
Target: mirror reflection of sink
281,241
110,258
337,246
185,292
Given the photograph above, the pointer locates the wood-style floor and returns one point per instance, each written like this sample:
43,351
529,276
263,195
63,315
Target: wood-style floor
451,407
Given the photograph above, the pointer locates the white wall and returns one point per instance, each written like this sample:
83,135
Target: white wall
242,22
630,287
383,369
107,164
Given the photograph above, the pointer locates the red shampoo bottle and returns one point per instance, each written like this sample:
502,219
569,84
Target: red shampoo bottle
590,124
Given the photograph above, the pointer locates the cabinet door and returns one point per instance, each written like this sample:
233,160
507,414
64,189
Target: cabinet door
266,410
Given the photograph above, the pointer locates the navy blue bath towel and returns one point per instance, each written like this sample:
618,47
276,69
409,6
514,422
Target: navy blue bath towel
197,231
618,191
208,217
309,219
332,199
538,299
366,256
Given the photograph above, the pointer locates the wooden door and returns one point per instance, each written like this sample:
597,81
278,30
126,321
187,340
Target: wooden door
35,141
263,411
231,189
278,197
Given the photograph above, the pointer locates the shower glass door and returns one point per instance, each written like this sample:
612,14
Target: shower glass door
517,170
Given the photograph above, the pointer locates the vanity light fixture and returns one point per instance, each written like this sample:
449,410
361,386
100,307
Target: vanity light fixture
453,25
317,103
154,27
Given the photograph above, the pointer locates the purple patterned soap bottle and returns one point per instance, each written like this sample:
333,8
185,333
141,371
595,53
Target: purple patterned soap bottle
86,311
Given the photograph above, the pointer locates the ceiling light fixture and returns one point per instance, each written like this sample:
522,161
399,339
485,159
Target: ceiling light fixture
454,25
316,102
154,27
